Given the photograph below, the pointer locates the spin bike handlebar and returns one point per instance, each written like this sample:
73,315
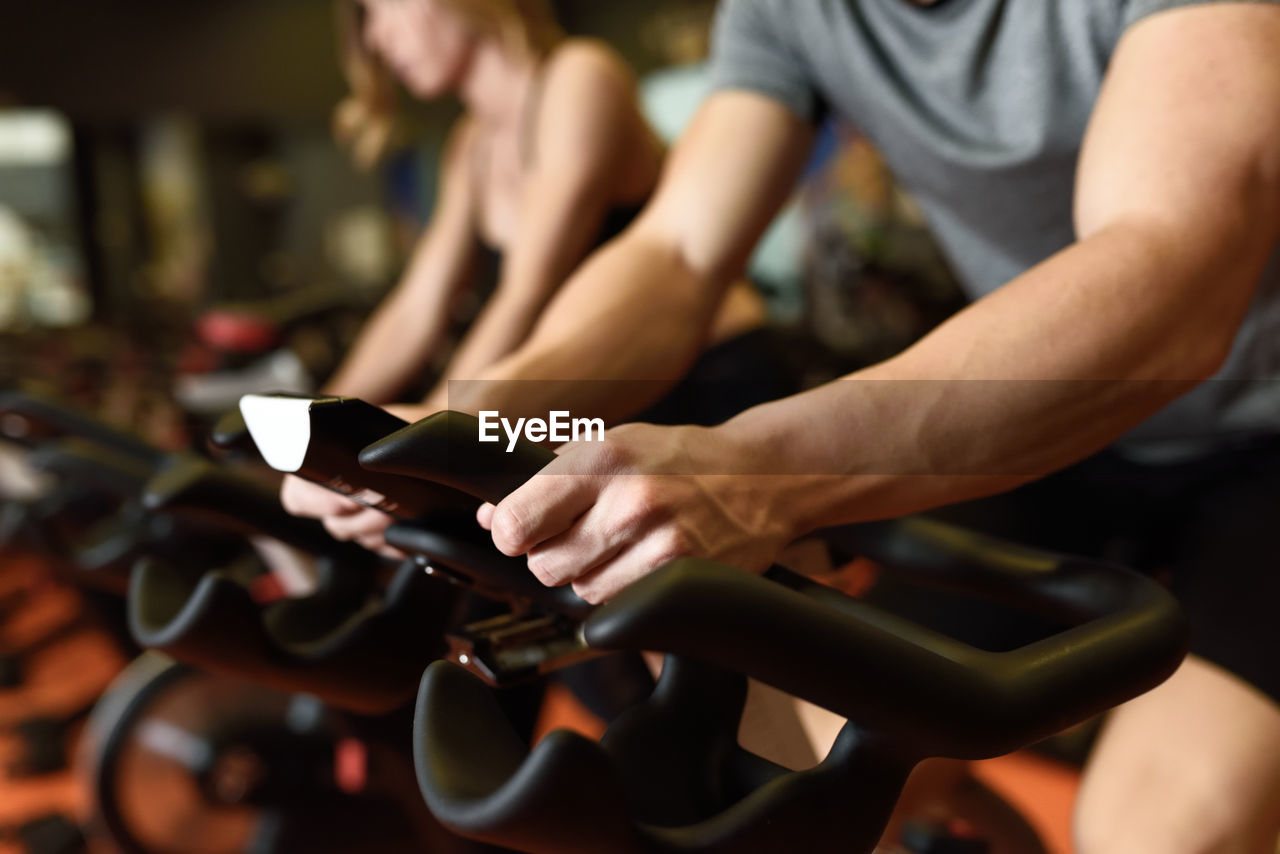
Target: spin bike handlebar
909,692
443,449
1118,618
35,418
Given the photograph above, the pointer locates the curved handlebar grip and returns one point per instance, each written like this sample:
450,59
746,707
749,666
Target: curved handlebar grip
230,433
446,448
357,653
45,418
496,574
909,693
191,486
939,695
88,463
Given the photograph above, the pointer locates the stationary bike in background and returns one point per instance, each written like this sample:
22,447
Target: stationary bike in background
58,652
181,760
281,343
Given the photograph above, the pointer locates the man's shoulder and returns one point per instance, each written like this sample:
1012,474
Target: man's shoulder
1136,10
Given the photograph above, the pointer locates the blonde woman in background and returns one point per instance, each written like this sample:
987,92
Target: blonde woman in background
551,158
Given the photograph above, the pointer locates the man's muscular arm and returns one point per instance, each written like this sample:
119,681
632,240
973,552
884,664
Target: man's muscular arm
1178,209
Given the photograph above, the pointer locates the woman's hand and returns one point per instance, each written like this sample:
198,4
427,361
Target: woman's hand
605,514
343,518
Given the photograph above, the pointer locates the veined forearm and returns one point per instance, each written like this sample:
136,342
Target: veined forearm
1056,365
618,335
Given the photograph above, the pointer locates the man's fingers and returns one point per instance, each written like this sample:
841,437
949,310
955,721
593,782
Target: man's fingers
594,539
484,515
571,555
540,509
608,580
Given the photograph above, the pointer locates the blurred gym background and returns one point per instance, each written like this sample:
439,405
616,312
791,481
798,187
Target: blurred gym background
176,220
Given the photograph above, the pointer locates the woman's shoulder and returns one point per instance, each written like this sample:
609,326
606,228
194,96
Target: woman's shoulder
590,112
587,64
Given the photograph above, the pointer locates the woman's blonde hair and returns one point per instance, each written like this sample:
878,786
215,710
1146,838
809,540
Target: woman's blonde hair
365,120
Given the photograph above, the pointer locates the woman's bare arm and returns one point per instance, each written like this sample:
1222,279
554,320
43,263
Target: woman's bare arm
407,329
588,142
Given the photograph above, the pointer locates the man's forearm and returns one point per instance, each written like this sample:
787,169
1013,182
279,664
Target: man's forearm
617,336
1056,365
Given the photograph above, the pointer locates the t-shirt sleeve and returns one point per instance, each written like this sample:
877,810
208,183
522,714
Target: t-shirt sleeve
751,50
1136,10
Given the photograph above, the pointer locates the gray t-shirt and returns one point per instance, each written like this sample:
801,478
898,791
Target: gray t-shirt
979,108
